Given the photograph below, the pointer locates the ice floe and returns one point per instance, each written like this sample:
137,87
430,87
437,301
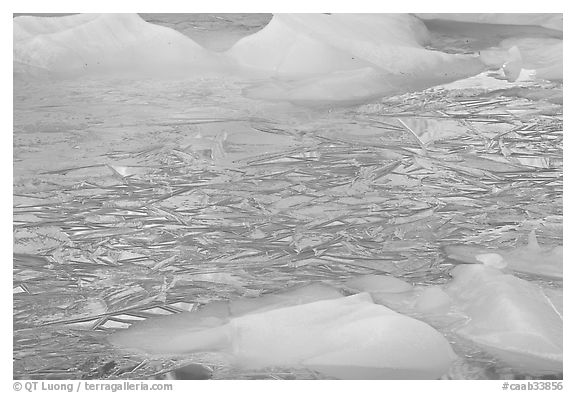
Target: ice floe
342,337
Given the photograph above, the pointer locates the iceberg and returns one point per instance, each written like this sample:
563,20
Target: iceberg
532,42
96,44
300,58
359,336
542,55
342,337
512,319
309,57
387,330
343,57
308,44
348,338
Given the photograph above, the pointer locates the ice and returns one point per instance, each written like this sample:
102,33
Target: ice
433,300
296,44
314,326
318,57
513,65
376,283
529,258
300,58
344,87
301,295
350,338
515,320
164,335
314,57
519,42
89,44
342,337
543,55
551,21
509,317
331,62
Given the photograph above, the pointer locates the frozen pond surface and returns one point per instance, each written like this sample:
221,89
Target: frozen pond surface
136,197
